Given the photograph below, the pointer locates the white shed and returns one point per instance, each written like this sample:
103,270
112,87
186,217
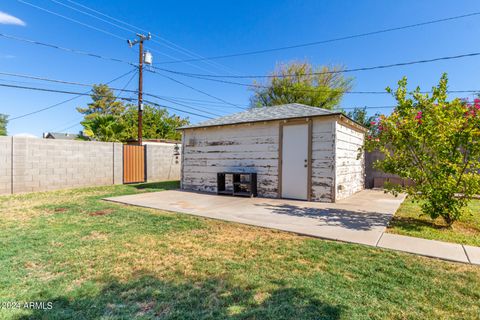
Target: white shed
297,151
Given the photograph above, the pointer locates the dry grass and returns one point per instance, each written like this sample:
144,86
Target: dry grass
130,262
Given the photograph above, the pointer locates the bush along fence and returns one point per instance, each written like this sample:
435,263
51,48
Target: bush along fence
29,164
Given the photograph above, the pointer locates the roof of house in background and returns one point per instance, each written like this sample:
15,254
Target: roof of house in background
60,135
146,141
280,112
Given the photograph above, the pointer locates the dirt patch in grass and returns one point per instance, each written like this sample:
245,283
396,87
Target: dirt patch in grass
101,212
95,235
40,272
466,228
59,210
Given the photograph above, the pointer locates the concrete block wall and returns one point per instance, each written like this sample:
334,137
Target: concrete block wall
5,165
162,165
117,163
44,164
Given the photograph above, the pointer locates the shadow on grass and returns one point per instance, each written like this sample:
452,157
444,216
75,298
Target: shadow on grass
150,298
415,224
164,185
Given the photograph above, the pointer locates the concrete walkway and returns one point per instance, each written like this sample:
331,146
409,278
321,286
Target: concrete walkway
361,218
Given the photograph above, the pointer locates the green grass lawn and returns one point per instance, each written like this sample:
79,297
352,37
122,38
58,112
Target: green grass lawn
99,260
409,221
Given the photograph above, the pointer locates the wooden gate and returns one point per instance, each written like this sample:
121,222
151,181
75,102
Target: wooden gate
134,164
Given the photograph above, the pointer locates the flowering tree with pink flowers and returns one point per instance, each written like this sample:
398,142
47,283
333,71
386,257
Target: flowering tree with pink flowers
435,143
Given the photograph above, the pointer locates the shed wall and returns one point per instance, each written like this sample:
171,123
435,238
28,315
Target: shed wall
336,171
244,147
323,159
350,170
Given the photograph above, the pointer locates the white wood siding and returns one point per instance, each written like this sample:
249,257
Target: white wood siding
336,172
323,159
350,171
245,147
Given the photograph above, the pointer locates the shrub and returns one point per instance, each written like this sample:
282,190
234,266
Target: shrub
436,144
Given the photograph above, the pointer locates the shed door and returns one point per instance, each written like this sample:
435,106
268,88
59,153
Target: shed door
295,162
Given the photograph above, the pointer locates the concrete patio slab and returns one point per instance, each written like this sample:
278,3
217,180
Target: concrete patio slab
362,218
473,254
424,247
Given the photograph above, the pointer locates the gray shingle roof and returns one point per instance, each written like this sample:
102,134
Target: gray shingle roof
61,135
285,111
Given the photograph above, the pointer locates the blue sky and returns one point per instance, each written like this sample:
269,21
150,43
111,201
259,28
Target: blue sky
211,28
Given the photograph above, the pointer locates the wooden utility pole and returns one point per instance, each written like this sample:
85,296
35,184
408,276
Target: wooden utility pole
140,95
140,40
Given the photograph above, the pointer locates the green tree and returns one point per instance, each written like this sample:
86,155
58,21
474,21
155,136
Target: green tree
435,143
103,102
300,82
361,116
157,123
3,124
104,128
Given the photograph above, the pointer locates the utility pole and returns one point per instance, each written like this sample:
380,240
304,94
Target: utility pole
148,59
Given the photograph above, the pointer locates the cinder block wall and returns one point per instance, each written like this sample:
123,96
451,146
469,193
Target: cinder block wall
44,164
162,164
5,165
118,163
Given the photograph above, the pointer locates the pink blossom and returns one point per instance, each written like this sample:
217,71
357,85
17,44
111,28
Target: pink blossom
419,115
373,123
476,104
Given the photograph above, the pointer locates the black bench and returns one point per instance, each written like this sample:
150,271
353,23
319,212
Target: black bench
244,184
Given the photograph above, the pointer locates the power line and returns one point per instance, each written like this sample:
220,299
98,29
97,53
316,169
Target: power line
167,43
73,20
196,101
126,85
85,53
369,107
386,66
44,79
78,95
205,104
187,106
66,82
130,99
295,89
197,90
170,99
116,97
106,21
359,35
120,27
163,106
77,122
